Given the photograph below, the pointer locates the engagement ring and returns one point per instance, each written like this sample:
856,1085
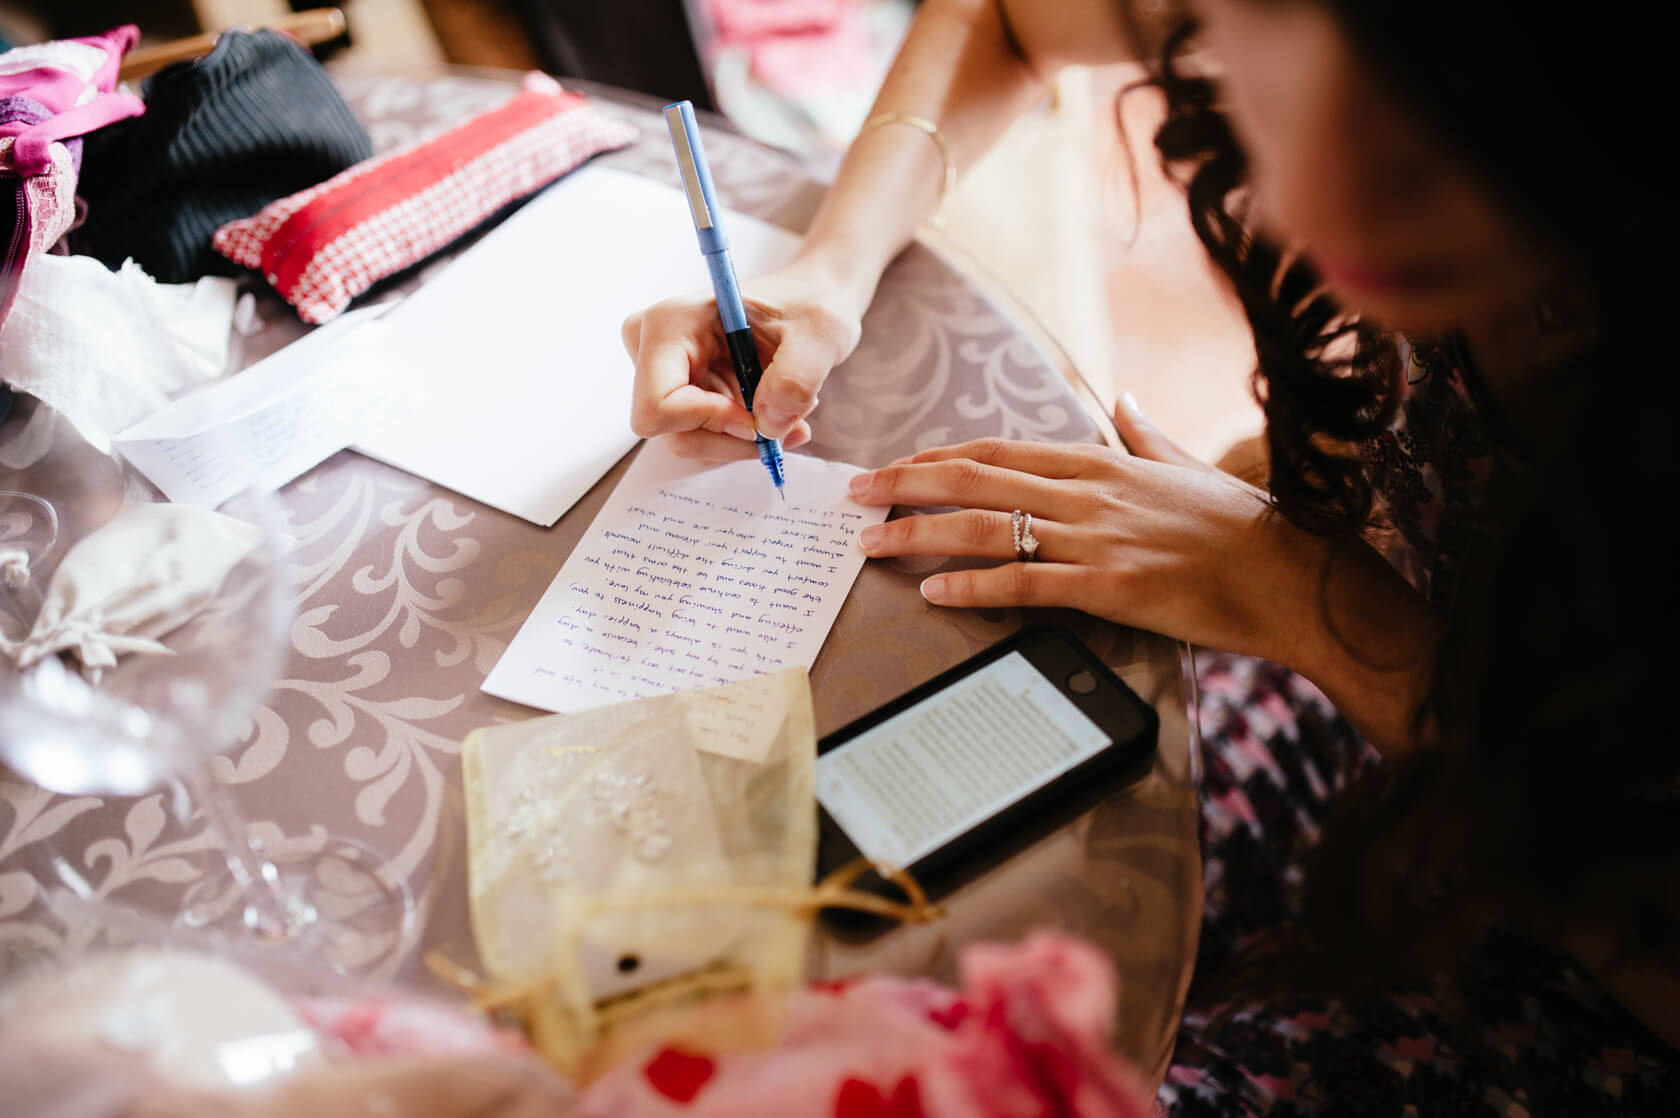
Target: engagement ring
1026,544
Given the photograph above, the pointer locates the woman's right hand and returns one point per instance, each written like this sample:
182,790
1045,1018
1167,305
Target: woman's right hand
805,324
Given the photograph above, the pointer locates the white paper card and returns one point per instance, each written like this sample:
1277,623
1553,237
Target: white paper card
268,424
517,342
690,576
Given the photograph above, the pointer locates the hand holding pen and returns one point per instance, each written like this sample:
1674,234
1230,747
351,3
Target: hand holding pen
714,245
686,388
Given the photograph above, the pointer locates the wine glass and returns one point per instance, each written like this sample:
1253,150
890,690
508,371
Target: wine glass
168,626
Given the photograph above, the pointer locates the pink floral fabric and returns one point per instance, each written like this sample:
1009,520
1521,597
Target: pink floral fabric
1026,1035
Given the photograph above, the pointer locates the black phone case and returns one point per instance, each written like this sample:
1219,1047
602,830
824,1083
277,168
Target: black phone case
1024,822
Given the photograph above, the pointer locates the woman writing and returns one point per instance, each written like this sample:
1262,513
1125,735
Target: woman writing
1438,792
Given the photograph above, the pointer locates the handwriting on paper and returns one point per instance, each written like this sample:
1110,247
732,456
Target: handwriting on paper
742,720
690,577
707,601
275,420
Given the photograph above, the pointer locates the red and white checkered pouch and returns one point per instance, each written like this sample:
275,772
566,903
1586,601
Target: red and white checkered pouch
322,247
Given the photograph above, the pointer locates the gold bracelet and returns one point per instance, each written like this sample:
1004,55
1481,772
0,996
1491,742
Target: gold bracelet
931,130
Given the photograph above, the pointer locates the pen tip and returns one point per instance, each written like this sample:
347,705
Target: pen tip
782,493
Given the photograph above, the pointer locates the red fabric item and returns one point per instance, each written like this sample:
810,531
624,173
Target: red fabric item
950,1017
858,1098
834,986
678,1075
322,247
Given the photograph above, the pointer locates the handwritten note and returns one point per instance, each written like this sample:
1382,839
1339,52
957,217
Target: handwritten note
690,577
282,416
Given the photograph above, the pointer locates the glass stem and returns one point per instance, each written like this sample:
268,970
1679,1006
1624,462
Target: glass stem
268,908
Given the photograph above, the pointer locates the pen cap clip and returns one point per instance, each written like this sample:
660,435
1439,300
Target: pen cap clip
696,175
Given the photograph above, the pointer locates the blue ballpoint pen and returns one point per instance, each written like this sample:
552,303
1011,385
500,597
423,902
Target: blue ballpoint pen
714,245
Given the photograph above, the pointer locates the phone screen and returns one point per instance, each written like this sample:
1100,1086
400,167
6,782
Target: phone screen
905,788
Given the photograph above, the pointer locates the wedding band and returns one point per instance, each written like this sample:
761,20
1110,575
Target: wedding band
1026,544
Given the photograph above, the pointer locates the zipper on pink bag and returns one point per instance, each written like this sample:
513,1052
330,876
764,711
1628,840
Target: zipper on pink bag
18,244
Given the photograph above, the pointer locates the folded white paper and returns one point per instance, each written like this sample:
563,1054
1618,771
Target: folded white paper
280,417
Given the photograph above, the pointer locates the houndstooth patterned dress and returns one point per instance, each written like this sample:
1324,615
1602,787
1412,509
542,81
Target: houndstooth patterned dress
1275,753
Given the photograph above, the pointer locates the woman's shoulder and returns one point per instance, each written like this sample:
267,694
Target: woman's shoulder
1439,414
1430,467
1435,366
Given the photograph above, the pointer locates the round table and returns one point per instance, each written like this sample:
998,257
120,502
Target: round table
406,594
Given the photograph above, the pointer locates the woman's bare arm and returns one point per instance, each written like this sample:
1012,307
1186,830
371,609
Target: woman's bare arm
971,67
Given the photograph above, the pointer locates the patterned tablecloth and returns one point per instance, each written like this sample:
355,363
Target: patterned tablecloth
406,595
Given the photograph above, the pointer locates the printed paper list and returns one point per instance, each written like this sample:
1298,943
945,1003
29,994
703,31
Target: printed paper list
690,577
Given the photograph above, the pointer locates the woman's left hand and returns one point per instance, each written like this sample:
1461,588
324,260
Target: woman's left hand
1154,539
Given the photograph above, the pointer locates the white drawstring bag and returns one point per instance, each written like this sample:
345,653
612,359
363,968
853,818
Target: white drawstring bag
137,578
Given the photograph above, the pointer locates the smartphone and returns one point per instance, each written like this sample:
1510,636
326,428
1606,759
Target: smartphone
978,763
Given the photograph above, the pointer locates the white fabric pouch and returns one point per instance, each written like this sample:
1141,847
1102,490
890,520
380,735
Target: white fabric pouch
142,575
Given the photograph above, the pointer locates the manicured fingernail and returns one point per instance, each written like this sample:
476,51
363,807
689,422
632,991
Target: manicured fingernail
933,589
1129,402
774,419
861,484
870,537
741,430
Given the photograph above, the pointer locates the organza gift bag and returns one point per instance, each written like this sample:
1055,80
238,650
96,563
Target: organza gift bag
628,861
137,578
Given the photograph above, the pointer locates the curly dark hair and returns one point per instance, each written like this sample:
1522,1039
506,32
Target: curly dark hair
1547,787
